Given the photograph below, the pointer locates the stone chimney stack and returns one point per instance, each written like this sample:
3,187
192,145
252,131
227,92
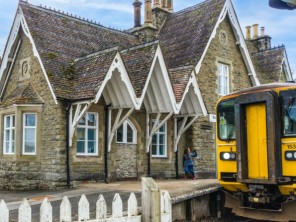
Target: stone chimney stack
148,12
255,31
248,32
262,31
156,4
164,4
137,13
170,5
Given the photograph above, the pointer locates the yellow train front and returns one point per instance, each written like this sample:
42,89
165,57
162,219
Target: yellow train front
256,151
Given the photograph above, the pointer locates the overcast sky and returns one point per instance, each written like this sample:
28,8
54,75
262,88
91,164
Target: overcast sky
280,25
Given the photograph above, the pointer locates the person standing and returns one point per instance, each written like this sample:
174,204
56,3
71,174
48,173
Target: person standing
188,163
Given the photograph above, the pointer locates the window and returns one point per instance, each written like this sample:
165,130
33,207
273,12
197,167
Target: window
223,79
159,142
226,120
9,129
126,133
87,135
288,106
29,133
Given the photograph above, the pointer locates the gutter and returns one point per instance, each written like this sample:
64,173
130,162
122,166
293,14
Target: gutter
106,142
67,143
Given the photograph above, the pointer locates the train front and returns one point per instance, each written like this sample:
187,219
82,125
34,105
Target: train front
256,153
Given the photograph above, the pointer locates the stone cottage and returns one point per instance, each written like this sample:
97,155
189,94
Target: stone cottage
80,101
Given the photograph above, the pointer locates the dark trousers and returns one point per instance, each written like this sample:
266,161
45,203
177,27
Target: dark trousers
189,170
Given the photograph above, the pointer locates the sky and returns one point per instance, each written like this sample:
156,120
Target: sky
280,25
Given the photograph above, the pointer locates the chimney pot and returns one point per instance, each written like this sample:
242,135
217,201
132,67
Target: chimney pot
262,31
137,13
170,5
255,31
148,12
248,32
156,3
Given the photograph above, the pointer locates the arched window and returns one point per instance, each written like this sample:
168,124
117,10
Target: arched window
126,133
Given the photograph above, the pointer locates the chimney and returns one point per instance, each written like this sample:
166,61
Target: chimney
156,4
262,31
137,13
164,4
255,31
248,32
148,12
170,5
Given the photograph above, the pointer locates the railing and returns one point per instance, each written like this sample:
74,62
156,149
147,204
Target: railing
154,199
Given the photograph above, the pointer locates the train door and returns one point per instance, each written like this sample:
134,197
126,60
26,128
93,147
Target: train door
256,141
256,116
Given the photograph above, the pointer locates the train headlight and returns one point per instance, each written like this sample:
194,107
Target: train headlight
290,155
227,156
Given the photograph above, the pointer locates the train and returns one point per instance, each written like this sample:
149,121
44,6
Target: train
256,151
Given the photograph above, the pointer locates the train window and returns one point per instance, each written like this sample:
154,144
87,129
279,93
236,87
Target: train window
288,106
226,120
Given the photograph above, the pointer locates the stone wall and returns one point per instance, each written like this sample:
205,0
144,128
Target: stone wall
223,49
47,168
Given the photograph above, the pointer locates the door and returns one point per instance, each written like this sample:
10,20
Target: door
256,133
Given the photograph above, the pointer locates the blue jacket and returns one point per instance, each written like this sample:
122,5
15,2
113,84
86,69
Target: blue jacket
187,158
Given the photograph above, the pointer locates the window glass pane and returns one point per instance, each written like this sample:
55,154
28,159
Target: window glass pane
29,146
7,135
161,139
91,120
91,134
91,147
129,136
12,147
226,120
154,149
82,121
30,120
161,150
80,134
154,139
12,135
120,134
30,134
6,147
7,121
13,121
80,147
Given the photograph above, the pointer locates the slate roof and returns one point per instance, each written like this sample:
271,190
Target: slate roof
268,64
22,94
76,53
91,72
185,34
138,61
60,39
180,78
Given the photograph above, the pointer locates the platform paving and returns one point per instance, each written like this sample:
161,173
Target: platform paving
179,190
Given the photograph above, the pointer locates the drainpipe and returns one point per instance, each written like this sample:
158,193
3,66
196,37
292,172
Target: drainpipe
106,141
148,164
177,165
67,143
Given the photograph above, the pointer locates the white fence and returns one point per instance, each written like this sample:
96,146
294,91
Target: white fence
117,215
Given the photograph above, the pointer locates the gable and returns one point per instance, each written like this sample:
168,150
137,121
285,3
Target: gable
185,34
60,39
26,83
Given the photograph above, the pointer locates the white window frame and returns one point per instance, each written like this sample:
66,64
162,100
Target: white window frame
124,133
86,127
157,134
11,130
223,79
24,133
